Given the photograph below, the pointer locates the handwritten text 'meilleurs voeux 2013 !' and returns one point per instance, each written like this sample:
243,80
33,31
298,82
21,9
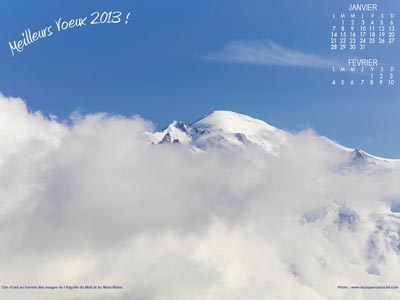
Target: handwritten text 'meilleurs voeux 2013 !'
31,36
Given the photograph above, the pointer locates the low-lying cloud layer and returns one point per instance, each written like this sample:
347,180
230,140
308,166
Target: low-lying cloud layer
92,203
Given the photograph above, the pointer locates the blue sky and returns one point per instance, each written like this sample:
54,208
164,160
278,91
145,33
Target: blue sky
183,59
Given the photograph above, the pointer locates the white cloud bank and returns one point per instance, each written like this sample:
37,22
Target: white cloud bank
92,203
267,52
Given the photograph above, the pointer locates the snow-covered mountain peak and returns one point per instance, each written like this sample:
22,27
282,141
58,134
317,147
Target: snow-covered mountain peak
222,129
227,128
232,122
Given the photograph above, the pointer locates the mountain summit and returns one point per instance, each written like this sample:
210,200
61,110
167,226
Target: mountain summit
223,129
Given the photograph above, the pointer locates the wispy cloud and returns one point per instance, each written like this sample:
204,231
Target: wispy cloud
267,52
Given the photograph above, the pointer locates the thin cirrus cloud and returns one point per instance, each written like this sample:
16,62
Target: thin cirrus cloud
267,52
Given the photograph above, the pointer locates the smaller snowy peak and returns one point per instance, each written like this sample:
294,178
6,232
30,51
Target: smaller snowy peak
363,158
176,132
359,154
